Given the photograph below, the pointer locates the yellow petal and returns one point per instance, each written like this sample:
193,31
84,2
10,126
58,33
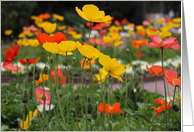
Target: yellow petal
67,46
51,47
49,27
25,125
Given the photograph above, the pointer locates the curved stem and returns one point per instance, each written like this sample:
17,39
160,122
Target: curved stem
164,89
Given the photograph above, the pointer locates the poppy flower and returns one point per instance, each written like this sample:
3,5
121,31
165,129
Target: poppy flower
43,38
10,55
139,54
39,94
31,27
117,22
87,63
63,46
98,26
161,108
163,33
45,16
40,80
77,36
61,76
124,20
89,51
158,42
59,17
159,101
171,78
112,66
103,74
115,29
102,32
33,42
113,38
142,32
88,24
24,61
8,32
110,109
175,45
49,27
177,20
70,28
92,13
62,27
156,70
140,42
11,67
146,23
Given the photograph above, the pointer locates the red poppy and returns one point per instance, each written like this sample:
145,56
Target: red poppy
171,78
142,33
161,108
154,29
88,24
156,70
45,16
102,32
117,23
159,101
70,28
124,20
112,18
61,76
24,61
43,38
11,67
110,109
98,26
139,54
10,55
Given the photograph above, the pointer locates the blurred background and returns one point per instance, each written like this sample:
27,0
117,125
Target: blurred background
15,15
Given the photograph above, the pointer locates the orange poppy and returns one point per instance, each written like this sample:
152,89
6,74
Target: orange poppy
154,29
159,101
43,38
156,70
139,54
136,46
98,26
140,42
61,76
161,108
110,109
40,80
87,63
45,16
171,78
11,67
88,24
142,33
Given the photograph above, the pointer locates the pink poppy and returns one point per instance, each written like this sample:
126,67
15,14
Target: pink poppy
117,23
70,28
175,45
146,23
39,94
11,67
171,78
158,42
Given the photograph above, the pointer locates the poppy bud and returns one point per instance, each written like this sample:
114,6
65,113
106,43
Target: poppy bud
65,63
60,95
94,115
37,77
5,100
43,97
127,50
76,97
107,126
175,108
25,96
94,80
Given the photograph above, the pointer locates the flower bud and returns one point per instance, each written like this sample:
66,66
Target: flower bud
43,97
79,107
76,97
127,50
175,108
45,70
88,98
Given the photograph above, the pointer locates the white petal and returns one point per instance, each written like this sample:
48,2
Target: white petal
46,107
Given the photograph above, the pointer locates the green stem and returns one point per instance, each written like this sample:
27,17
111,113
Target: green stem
23,115
164,89
168,91
172,109
92,95
156,84
84,94
126,94
57,91
44,102
89,34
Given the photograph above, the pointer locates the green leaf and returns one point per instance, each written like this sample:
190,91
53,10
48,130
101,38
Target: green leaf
4,128
141,115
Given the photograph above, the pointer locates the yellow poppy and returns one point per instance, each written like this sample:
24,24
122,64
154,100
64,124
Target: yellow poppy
25,42
19,42
8,32
68,53
25,125
131,32
72,32
162,33
151,21
113,38
92,13
112,66
177,20
160,21
61,18
103,74
62,27
49,27
77,36
33,42
115,28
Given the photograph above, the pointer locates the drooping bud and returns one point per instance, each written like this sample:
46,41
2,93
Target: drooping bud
25,96
94,115
175,108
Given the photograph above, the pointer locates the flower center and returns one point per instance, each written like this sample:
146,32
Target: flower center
173,81
40,96
110,109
